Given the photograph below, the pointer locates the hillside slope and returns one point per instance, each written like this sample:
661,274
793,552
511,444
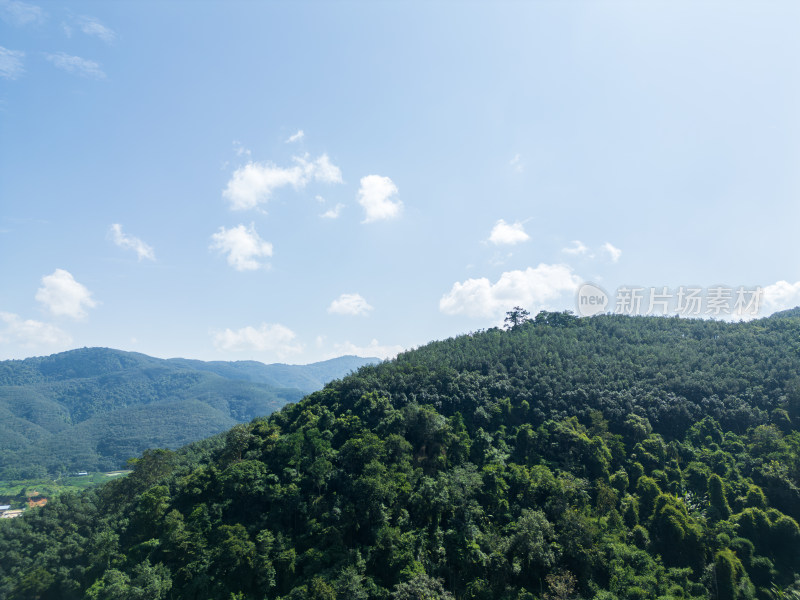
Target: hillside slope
94,408
608,458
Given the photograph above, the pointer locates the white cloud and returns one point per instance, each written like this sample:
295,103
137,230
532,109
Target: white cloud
516,163
243,246
240,149
532,288
269,337
508,234
77,65
254,183
322,170
91,26
296,137
63,296
20,13
11,63
131,243
375,196
614,253
780,295
578,247
333,213
349,304
30,334
373,349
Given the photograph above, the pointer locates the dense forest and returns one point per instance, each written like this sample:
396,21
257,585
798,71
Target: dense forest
94,408
608,457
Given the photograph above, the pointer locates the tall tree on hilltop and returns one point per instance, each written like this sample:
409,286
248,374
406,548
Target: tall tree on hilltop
516,316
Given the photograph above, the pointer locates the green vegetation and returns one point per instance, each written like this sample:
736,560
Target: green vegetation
93,409
607,458
16,493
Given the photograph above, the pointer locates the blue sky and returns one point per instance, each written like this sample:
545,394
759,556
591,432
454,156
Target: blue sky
292,181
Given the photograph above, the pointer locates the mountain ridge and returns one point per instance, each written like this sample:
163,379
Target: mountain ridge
310,377
56,410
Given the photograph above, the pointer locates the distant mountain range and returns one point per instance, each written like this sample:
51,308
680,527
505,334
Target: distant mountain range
93,408
308,378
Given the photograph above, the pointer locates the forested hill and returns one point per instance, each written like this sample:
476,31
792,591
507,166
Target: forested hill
94,408
610,458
